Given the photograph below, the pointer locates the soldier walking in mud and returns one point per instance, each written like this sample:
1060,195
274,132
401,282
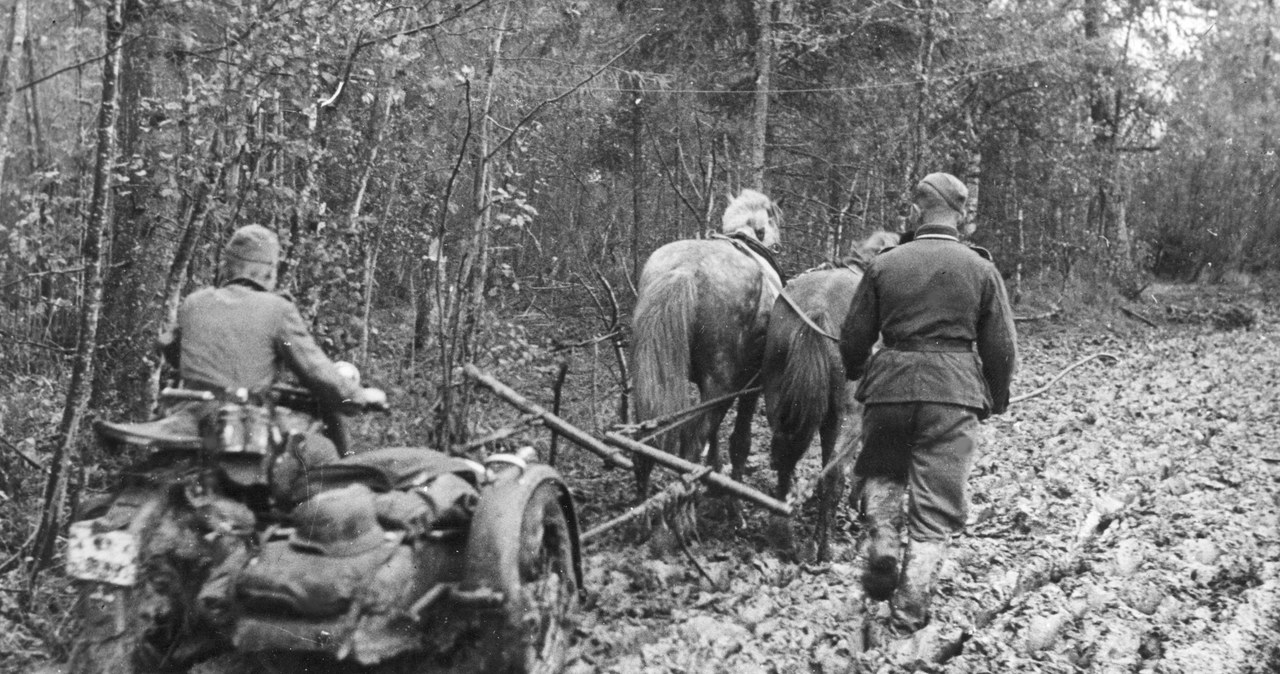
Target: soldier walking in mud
948,358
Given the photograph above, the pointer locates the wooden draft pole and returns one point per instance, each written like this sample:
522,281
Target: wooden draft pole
680,465
555,423
613,458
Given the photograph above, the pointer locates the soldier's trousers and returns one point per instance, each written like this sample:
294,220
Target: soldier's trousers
929,446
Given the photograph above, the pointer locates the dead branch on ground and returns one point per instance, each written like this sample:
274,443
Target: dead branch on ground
1137,316
1112,357
1039,317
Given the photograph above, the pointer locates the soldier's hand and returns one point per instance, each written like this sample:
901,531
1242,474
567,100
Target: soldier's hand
372,399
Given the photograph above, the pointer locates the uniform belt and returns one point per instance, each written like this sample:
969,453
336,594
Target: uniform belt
225,394
944,345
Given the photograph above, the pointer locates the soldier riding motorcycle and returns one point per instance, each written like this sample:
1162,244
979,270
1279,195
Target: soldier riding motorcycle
243,529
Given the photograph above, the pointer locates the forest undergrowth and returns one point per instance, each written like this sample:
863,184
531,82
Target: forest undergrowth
1123,521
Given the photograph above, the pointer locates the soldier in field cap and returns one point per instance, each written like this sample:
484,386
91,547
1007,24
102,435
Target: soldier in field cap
947,361
241,334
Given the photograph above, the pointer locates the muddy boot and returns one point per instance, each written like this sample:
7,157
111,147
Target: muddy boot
881,507
909,610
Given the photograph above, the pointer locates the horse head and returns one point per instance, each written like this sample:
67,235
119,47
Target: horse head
753,213
877,242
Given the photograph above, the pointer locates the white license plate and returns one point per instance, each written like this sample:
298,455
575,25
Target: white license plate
109,557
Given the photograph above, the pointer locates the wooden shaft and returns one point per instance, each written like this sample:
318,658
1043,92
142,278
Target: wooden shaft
555,423
650,428
655,502
678,464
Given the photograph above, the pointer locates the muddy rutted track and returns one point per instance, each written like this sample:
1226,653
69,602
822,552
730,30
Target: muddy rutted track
1123,522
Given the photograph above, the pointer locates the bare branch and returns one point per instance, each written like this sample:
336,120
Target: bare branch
47,346
555,99
1097,356
73,66
18,450
419,29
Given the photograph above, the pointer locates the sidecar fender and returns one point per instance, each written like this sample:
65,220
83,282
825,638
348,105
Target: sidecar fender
493,548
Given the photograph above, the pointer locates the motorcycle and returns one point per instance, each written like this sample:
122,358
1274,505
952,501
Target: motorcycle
232,543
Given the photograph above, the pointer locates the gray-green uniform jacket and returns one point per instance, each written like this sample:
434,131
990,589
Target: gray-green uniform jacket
948,329
240,336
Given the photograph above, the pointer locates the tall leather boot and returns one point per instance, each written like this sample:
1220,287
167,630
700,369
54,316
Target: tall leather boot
909,608
881,507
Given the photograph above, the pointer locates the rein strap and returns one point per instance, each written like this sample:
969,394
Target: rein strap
805,317
749,245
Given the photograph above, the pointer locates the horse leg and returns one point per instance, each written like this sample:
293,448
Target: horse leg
643,471
785,456
704,434
740,440
840,430
830,487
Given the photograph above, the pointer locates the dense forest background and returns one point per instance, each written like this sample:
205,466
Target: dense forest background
436,170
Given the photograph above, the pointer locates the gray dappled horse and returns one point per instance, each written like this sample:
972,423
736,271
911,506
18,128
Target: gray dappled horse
700,317
804,378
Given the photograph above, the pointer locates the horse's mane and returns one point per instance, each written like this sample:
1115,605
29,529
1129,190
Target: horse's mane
878,241
751,212
862,253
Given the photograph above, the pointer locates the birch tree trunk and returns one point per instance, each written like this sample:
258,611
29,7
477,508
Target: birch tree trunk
466,297
371,250
33,102
924,64
15,33
637,173
66,453
304,212
1108,206
371,240
766,12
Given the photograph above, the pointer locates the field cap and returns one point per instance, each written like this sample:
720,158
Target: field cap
939,190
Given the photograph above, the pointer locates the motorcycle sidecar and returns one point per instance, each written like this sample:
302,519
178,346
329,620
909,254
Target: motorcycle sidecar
413,560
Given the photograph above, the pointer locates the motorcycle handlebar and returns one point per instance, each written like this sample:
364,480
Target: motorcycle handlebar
170,393
287,396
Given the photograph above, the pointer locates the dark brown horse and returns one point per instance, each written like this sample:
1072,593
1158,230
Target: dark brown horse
805,389
701,316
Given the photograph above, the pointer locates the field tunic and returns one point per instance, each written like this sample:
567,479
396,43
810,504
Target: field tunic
932,291
240,336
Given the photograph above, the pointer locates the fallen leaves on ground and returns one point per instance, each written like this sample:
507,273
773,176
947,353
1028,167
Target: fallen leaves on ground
1124,521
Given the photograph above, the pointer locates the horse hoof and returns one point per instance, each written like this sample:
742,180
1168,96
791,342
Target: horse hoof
662,543
880,578
781,536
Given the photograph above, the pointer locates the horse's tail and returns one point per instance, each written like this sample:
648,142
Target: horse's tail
660,360
801,369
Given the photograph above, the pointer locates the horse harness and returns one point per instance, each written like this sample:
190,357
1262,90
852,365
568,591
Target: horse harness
750,245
